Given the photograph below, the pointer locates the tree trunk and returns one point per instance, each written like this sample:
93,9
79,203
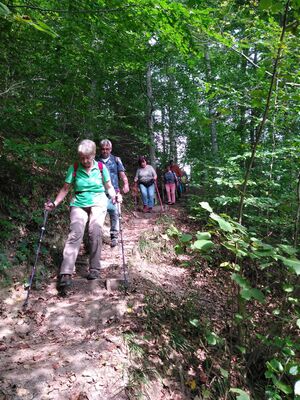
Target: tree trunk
297,214
254,112
90,126
172,147
150,117
241,128
265,114
211,110
163,132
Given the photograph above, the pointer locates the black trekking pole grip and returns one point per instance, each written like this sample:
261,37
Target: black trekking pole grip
30,281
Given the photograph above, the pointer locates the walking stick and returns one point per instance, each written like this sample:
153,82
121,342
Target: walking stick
135,202
158,195
122,248
29,285
135,194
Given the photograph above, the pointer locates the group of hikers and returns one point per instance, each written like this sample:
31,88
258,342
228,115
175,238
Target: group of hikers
96,191
175,181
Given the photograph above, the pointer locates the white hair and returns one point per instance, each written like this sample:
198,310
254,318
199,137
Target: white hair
106,142
87,147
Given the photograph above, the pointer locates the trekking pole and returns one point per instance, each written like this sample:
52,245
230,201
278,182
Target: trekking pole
135,202
29,285
158,195
122,248
135,194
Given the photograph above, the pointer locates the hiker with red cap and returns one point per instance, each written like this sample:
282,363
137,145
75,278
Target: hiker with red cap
175,168
89,205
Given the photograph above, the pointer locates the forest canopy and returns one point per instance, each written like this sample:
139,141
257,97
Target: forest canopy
213,85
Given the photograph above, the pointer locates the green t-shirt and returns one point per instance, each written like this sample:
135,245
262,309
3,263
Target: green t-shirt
89,188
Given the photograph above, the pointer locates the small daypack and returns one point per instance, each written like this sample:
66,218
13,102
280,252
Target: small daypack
100,165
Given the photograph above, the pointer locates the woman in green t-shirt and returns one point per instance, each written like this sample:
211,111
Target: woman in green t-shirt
89,204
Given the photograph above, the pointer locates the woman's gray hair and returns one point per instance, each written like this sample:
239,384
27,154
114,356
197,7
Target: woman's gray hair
106,142
87,147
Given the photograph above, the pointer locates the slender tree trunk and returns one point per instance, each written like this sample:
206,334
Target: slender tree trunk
265,114
173,148
252,133
172,119
211,110
163,132
254,115
90,128
241,128
213,130
296,234
273,150
242,125
150,117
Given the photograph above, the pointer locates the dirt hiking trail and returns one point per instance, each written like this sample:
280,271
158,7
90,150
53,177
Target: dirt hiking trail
98,344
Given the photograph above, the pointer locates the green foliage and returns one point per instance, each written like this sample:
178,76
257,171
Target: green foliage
66,75
5,265
4,10
186,241
242,395
246,249
6,229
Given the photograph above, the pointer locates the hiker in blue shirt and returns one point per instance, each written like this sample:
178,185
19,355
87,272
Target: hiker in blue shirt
117,171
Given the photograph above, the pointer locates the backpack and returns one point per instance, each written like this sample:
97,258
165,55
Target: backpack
100,165
117,161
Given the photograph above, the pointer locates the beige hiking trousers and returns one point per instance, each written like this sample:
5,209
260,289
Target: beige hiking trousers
79,217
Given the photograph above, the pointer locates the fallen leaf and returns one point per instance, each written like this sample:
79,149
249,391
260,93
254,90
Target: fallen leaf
22,392
37,357
192,384
22,346
203,377
3,347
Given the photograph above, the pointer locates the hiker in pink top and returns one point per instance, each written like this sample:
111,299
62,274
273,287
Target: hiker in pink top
170,181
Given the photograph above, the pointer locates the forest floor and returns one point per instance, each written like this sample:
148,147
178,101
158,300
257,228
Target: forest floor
105,344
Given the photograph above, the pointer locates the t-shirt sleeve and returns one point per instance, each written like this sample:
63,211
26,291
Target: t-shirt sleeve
120,166
154,173
105,173
69,176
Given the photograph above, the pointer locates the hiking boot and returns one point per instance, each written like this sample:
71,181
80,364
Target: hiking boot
114,242
145,209
149,210
92,275
65,280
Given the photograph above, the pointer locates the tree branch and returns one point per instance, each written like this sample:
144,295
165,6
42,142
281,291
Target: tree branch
257,66
96,11
12,87
265,114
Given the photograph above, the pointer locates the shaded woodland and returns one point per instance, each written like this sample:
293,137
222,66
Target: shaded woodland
213,85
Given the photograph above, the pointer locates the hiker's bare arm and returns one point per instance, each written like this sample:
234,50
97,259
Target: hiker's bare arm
59,198
123,176
110,190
